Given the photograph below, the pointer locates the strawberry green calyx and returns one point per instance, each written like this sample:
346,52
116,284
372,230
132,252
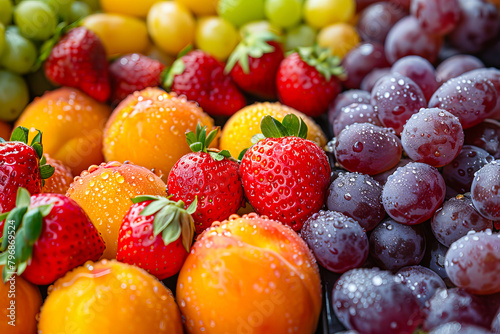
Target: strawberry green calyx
26,224
171,219
291,126
200,141
177,68
322,60
21,134
253,45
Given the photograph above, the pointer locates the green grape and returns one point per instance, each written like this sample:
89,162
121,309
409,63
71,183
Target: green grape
302,35
258,27
2,38
61,7
79,9
239,12
320,13
94,5
14,95
35,20
6,12
19,53
284,13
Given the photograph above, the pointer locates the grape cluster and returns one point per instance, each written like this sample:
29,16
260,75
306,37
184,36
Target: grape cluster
416,152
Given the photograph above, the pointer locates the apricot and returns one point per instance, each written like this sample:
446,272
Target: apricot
20,302
109,297
249,275
149,128
72,124
104,192
60,181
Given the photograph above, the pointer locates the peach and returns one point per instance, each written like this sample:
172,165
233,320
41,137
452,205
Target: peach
20,302
249,275
104,193
72,124
60,181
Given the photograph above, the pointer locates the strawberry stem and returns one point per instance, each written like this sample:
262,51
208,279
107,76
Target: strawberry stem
199,141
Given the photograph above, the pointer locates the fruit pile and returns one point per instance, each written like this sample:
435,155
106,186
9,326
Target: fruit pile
169,167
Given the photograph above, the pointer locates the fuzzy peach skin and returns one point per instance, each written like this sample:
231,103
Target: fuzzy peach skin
109,297
249,275
104,193
20,302
72,124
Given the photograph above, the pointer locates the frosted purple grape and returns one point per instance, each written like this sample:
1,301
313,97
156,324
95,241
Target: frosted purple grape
457,328
346,98
456,66
360,61
395,98
422,282
485,135
355,113
437,17
371,78
358,196
485,190
376,20
412,193
394,245
420,71
455,218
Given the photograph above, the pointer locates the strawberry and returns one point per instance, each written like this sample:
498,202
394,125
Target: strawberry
79,60
133,72
21,165
254,63
307,81
53,235
200,77
209,175
156,235
284,175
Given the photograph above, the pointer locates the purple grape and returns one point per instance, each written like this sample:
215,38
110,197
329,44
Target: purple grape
473,262
394,245
420,71
376,20
422,282
470,98
382,177
368,149
371,78
403,4
360,60
454,305
435,256
362,4
412,193
432,136
407,38
493,75
478,26
359,197
485,191
395,98
355,113
455,219
459,174
375,302
346,98
457,328
338,242
437,17
485,135
456,66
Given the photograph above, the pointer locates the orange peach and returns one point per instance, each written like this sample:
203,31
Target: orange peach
72,124
60,181
149,128
20,302
109,297
249,275
104,192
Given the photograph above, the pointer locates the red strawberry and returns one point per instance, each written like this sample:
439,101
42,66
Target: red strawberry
21,165
200,77
306,80
52,236
133,72
254,64
156,235
285,176
79,60
209,175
